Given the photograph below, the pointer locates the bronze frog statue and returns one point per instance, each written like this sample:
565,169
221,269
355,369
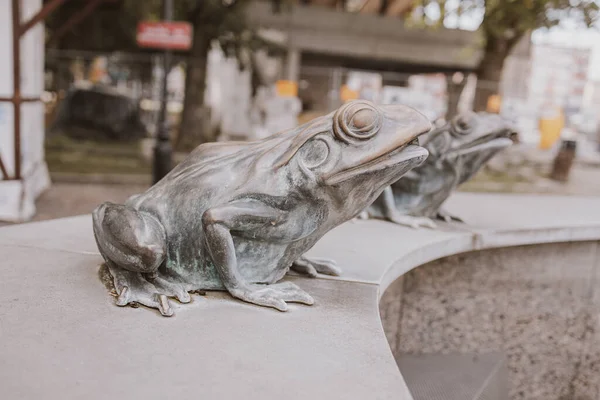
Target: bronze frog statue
237,216
457,150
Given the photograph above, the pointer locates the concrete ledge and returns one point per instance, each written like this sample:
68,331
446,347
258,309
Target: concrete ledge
63,337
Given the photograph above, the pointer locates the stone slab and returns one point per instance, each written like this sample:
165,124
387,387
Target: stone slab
62,337
59,324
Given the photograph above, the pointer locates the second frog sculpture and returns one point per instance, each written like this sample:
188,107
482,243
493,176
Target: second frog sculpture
457,150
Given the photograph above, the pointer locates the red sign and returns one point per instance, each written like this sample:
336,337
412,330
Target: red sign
165,35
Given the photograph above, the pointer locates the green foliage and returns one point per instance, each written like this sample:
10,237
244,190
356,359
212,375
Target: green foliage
226,22
507,19
510,18
112,26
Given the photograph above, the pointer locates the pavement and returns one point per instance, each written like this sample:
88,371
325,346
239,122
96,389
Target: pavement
65,199
64,330
70,199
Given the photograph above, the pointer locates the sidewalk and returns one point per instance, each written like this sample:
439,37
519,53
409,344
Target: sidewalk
69,199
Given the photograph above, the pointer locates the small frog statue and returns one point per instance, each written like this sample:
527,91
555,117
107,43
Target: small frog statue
457,150
237,216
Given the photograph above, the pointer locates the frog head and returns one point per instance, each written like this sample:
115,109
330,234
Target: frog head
351,155
469,135
476,137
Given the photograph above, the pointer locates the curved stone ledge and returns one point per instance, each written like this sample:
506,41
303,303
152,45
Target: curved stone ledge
531,310
62,336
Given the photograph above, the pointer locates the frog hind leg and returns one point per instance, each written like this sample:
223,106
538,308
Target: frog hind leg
134,240
133,244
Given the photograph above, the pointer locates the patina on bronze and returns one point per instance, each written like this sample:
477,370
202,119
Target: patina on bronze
237,216
457,150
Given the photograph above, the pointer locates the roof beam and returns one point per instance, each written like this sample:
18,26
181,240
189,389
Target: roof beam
40,16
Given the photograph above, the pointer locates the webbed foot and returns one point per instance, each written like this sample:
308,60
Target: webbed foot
447,217
275,295
363,215
412,222
315,266
150,291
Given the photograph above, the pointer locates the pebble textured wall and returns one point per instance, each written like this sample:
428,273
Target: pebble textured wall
539,305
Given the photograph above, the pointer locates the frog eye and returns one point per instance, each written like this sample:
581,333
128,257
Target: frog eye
359,120
463,124
314,153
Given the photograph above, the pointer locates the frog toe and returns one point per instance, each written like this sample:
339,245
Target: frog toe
298,297
302,266
133,298
412,222
449,217
164,306
123,298
274,295
290,292
313,266
326,266
265,297
428,223
134,288
172,289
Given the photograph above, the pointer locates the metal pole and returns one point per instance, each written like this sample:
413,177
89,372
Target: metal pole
16,22
163,150
335,84
293,65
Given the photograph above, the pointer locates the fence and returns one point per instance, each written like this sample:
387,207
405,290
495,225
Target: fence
321,89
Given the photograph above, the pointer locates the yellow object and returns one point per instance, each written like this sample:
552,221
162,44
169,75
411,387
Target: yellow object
98,70
550,128
287,88
347,94
494,103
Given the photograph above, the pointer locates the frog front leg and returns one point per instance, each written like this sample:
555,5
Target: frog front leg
246,216
391,213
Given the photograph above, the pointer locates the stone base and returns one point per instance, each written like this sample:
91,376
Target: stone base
17,197
62,336
537,305
455,376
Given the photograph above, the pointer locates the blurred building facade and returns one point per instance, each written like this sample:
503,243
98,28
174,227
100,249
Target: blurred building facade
558,77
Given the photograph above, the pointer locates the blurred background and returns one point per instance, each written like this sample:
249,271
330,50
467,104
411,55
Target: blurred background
85,117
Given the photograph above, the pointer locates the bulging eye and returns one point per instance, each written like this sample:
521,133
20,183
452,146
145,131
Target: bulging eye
359,120
314,153
463,124
364,119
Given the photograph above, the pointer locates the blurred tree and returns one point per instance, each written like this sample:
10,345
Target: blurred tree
212,20
223,21
503,24
108,26
111,27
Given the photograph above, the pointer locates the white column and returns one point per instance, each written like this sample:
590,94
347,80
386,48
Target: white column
17,197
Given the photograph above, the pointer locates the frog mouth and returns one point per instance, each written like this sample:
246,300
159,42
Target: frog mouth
494,141
403,158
